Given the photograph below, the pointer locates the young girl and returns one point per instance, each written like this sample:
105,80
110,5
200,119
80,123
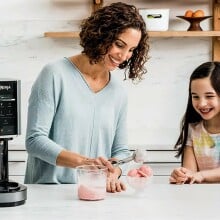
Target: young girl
199,140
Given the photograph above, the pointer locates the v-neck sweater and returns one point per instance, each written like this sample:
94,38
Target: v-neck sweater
64,113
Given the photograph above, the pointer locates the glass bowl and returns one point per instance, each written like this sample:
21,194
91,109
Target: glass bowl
91,182
139,177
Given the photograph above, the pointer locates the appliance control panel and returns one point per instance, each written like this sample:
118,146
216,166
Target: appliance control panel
9,108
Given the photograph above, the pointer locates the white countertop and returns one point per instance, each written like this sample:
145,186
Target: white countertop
160,201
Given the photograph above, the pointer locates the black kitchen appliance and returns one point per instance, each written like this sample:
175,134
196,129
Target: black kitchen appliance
11,193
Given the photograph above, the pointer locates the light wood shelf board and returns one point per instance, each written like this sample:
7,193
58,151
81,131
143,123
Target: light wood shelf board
75,34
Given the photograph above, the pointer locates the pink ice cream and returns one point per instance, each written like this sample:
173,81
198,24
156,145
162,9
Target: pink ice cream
139,177
145,170
133,172
91,193
142,171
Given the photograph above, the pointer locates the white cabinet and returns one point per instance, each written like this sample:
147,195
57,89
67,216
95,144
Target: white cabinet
162,162
17,171
17,164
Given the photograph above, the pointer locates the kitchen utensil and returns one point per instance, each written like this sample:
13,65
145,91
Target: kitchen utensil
138,156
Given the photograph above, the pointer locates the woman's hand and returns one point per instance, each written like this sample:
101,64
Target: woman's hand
99,161
113,183
72,159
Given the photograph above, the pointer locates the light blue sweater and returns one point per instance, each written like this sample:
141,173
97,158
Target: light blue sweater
64,113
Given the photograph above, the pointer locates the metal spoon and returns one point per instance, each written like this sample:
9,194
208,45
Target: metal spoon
137,156
123,161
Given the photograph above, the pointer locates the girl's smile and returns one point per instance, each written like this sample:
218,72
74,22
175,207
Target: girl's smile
204,99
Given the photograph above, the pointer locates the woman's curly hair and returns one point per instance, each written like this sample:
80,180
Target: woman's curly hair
101,30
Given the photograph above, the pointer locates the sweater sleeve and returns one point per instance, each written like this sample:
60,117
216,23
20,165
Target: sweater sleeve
41,111
120,148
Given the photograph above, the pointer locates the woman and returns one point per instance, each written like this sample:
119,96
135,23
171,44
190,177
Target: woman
77,109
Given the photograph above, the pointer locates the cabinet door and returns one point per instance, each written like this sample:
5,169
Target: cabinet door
16,165
17,171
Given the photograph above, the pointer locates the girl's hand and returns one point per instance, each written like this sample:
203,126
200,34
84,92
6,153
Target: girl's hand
182,175
196,177
179,175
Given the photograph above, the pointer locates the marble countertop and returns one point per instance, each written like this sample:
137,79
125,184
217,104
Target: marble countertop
159,201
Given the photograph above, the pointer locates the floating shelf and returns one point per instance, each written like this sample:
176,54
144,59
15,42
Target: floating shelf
215,34
75,34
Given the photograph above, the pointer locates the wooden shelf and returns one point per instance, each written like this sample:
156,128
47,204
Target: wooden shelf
75,34
184,34
215,34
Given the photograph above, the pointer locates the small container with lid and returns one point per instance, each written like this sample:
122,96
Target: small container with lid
155,19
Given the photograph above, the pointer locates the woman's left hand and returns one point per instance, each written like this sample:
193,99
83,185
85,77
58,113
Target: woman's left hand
113,183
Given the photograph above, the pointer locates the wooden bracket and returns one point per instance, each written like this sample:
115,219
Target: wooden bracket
216,27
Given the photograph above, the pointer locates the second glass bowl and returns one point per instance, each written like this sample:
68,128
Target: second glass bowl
138,177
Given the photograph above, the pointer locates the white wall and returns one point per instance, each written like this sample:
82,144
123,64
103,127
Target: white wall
156,105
